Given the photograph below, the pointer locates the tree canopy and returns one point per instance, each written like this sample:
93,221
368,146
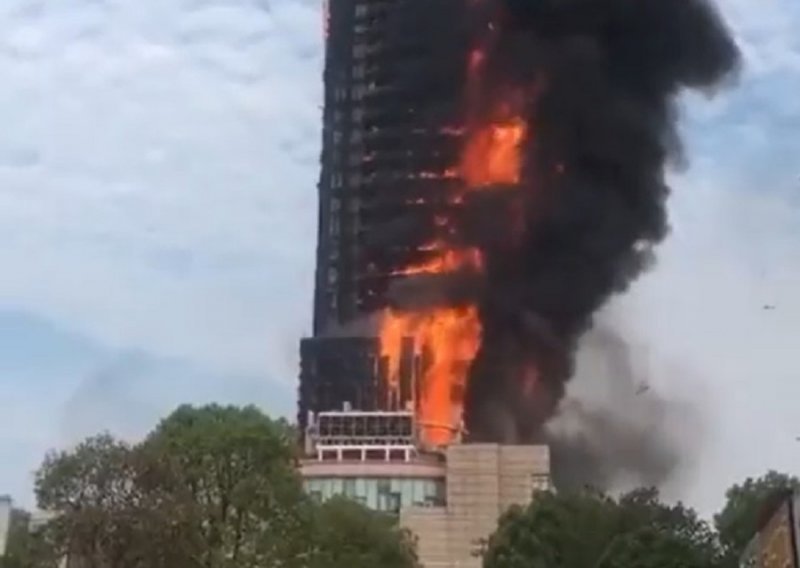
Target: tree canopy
349,535
236,468
25,548
210,487
744,509
587,529
218,487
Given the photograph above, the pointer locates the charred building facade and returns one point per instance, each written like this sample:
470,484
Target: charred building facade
335,371
394,71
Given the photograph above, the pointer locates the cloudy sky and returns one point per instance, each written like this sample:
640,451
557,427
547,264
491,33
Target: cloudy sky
158,162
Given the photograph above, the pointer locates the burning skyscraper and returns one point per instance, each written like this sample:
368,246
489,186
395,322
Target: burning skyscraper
392,129
492,172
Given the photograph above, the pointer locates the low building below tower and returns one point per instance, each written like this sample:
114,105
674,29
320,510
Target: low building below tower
451,500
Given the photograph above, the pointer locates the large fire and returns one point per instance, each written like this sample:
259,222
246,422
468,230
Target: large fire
446,260
492,155
447,339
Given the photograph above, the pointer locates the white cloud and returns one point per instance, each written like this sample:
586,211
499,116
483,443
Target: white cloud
767,34
158,167
58,387
158,173
724,305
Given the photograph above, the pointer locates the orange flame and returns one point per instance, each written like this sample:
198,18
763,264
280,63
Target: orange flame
448,338
492,154
450,260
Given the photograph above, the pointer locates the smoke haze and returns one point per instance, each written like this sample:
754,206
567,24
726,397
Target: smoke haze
596,83
615,429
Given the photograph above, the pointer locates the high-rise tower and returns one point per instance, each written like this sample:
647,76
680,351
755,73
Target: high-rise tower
394,75
380,378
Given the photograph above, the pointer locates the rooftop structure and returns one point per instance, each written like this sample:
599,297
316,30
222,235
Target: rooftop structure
335,371
371,457
362,435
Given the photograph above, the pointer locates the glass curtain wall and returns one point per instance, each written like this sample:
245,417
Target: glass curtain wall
382,493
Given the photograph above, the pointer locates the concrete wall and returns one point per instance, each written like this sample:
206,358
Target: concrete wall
5,522
483,481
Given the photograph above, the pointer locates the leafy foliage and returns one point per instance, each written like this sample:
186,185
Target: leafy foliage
119,506
348,535
655,548
237,467
745,503
590,530
210,487
26,548
217,487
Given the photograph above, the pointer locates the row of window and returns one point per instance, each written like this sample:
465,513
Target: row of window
380,494
356,179
356,137
358,91
364,9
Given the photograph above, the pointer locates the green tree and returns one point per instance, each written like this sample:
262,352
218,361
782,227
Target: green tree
28,547
88,486
744,508
674,534
17,545
656,548
565,529
238,466
347,535
651,534
590,530
117,506
209,487
22,547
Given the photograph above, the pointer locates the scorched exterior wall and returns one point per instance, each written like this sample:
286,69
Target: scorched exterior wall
394,79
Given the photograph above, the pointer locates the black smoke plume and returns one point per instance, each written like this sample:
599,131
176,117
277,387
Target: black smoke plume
600,79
